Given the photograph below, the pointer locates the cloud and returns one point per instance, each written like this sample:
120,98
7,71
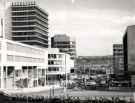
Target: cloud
125,6
116,5
94,48
98,29
125,21
96,24
72,1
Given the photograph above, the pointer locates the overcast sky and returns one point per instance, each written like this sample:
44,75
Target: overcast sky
96,24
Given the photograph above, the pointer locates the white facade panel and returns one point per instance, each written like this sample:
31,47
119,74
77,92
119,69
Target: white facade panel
22,68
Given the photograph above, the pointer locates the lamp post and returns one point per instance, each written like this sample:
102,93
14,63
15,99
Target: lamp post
65,86
89,70
84,61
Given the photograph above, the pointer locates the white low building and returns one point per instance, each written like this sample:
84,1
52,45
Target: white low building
22,66
59,66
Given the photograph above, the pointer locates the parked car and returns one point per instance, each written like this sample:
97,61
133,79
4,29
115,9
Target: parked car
92,83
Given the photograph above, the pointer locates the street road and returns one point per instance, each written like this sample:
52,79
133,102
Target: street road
81,93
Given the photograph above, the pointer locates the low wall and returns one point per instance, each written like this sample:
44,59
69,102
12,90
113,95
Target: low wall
128,89
30,90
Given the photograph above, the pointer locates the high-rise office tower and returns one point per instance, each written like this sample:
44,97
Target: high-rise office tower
27,23
129,53
65,44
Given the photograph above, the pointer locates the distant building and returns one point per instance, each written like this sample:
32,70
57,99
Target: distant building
96,61
27,23
109,72
93,65
118,59
59,64
129,53
65,44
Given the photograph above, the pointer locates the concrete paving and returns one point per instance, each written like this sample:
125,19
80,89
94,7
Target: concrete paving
80,93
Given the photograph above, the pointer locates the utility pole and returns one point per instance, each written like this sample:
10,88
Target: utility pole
84,61
65,86
50,93
89,70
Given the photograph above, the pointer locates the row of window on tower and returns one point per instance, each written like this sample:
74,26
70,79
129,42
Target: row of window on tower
54,56
55,62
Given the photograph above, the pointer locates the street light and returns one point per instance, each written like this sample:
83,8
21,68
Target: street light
89,70
84,61
65,86
67,53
